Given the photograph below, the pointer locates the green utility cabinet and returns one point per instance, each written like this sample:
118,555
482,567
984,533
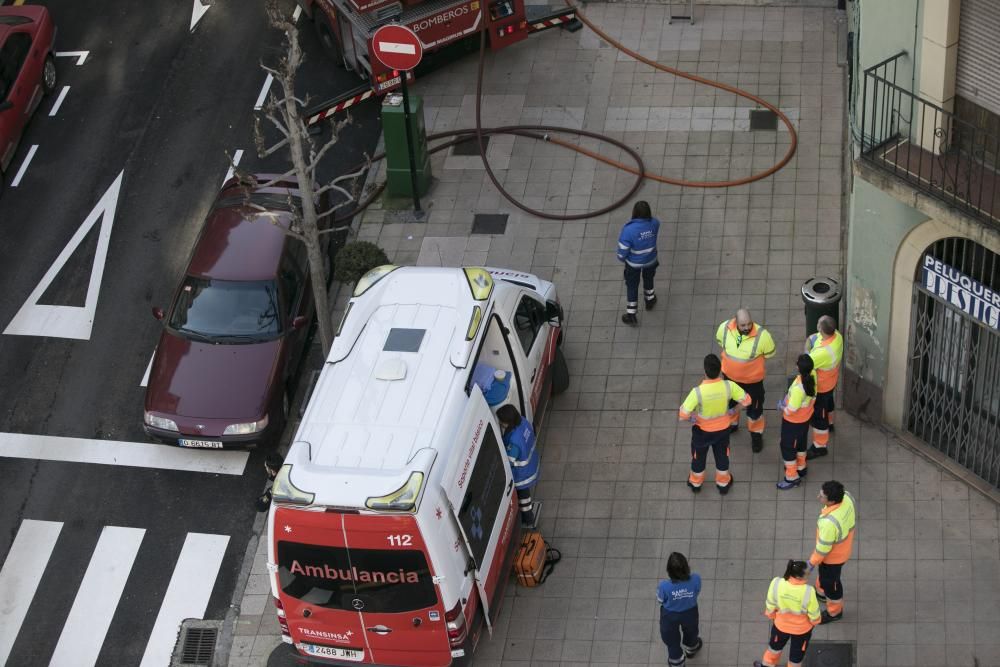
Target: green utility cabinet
397,161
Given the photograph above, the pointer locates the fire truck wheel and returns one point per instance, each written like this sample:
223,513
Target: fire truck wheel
560,373
329,39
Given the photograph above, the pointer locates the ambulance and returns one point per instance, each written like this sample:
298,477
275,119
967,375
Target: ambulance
395,520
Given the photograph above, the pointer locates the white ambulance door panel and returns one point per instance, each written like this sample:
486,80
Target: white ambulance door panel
530,333
479,498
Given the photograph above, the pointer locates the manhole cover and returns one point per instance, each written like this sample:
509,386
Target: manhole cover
829,654
763,119
489,223
470,146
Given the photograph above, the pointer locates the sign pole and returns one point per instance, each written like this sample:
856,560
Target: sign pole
409,144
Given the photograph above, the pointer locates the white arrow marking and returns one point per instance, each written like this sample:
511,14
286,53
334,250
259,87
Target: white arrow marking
24,166
59,101
263,93
237,156
81,56
199,9
395,47
35,319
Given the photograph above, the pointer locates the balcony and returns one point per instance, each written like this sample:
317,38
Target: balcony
929,147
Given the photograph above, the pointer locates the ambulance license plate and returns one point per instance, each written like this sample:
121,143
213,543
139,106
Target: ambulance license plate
334,652
202,444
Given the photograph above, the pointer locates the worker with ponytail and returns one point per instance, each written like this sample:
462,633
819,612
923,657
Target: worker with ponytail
796,413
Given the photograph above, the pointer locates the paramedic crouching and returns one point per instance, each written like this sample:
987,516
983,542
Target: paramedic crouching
519,440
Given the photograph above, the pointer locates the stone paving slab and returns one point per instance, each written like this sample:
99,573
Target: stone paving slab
923,587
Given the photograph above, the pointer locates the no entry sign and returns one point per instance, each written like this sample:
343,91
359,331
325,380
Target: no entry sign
397,47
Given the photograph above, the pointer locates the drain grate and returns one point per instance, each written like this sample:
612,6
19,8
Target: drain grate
829,654
489,223
196,643
470,146
763,119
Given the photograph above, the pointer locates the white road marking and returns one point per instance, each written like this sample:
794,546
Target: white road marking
35,319
149,367
396,47
24,166
59,101
97,598
237,156
20,576
187,595
81,56
259,104
297,13
197,12
121,453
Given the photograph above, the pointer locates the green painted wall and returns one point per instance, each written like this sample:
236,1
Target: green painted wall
878,224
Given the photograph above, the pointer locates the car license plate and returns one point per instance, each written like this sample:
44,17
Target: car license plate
203,444
354,655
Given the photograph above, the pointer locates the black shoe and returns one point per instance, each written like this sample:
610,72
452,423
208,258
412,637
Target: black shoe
815,452
650,302
756,441
803,472
830,428
630,319
733,428
829,618
692,651
695,489
723,490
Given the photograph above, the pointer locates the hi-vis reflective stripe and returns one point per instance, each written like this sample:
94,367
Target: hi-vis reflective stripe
337,108
772,595
729,397
753,350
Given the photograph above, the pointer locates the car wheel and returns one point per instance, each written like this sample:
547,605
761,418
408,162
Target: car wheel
49,75
560,373
328,39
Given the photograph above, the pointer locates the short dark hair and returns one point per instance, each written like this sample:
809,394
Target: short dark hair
712,366
796,568
508,414
678,568
642,210
833,490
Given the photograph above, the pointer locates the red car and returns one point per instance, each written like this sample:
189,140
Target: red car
235,331
27,71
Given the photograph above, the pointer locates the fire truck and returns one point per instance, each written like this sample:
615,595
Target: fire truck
345,28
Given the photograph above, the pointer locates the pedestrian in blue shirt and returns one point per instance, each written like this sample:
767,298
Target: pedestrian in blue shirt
678,598
519,441
637,250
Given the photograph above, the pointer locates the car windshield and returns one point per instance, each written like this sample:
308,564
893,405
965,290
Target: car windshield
227,310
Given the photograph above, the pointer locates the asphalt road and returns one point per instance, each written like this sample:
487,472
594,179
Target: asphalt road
158,106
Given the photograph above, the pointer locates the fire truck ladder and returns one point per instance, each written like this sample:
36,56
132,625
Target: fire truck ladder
539,18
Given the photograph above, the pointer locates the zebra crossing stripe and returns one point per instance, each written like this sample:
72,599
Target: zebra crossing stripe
97,598
20,576
187,595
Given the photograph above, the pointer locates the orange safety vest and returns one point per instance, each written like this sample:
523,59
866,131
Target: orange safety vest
743,356
797,406
709,404
792,605
826,354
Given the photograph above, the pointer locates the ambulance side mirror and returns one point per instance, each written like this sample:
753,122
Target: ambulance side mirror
553,313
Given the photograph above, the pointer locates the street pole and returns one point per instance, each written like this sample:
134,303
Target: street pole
409,144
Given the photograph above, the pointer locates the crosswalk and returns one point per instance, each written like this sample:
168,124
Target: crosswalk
100,592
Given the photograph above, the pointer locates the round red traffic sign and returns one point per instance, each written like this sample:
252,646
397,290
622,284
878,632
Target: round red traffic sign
397,47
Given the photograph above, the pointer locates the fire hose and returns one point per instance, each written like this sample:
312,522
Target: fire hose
545,132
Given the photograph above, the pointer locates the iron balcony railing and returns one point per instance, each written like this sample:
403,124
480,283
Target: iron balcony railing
927,146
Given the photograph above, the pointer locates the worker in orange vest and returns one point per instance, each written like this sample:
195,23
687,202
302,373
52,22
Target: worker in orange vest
796,412
707,405
793,607
745,345
826,347
834,539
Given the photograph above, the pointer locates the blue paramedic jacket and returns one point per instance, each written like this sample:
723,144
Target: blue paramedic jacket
637,242
522,454
678,596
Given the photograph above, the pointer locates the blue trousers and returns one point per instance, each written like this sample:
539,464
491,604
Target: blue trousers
672,624
632,276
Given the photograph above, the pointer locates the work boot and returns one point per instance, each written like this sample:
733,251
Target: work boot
786,484
630,319
650,302
723,490
803,472
815,452
756,441
690,652
827,617
694,489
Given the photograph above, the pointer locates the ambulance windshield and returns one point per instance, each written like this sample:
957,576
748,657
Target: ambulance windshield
385,581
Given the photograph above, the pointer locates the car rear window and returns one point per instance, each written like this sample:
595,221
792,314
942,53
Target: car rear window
221,309
385,581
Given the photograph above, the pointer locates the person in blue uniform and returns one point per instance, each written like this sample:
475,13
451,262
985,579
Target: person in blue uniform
678,598
519,441
637,251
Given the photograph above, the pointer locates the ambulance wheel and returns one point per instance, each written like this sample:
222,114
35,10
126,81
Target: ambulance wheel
560,373
329,39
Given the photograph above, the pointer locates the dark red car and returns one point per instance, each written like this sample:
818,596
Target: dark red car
235,331
27,72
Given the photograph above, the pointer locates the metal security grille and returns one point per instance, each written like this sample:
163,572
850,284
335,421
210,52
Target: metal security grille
196,643
954,373
978,72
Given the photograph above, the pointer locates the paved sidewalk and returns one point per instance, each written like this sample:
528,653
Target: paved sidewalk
923,587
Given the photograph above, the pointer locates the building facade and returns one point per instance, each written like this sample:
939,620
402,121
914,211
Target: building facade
923,275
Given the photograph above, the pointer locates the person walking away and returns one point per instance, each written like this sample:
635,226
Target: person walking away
826,347
745,345
707,406
796,412
637,250
519,441
678,598
834,539
793,609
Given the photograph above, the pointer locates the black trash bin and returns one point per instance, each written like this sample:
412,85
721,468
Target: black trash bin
821,297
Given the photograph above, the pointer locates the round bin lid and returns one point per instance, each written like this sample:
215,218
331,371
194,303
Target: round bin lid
821,290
